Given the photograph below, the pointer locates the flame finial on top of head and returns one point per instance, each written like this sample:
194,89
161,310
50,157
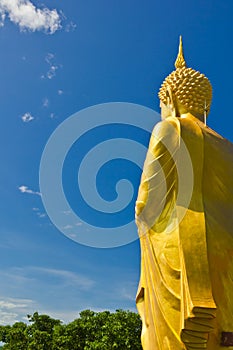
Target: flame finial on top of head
180,61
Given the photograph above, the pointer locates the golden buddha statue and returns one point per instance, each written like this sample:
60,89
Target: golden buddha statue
185,295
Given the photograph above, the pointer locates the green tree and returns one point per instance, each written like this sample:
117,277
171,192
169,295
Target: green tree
91,331
15,336
40,332
105,330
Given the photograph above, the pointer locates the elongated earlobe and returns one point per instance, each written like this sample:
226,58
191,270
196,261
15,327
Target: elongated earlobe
172,103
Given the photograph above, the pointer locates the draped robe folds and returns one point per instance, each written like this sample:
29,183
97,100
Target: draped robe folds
185,294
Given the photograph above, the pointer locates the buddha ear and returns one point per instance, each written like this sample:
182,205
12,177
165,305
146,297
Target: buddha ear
171,101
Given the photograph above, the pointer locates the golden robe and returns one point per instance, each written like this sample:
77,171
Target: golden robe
185,295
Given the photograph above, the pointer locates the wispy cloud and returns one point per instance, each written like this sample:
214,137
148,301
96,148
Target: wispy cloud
79,223
28,17
35,209
45,102
70,27
60,92
65,316
53,66
52,116
27,282
67,227
12,303
13,310
25,189
27,117
67,212
68,277
82,291
41,215
128,292
38,212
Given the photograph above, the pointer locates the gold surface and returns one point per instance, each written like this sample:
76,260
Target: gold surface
185,295
180,61
190,88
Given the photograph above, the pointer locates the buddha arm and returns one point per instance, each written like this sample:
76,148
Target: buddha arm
158,187
154,205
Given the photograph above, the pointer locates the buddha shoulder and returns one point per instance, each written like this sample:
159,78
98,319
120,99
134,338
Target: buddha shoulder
165,133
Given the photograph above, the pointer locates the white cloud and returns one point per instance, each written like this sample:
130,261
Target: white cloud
27,117
2,18
53,66
15,310
72,235
41,215
66,212
12,309
52,71
82,290
45,102
49,57
60,92
67,227
64,316
79,224
33,274
25,189
70,27
28,17
11,303
52,115
68,277
35,209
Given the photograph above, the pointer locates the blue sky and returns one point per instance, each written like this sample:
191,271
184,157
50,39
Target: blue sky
54,62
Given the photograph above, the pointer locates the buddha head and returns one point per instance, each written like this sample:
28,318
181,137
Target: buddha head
185,91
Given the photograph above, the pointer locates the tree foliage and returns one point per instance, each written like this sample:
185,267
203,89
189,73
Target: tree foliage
91,331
